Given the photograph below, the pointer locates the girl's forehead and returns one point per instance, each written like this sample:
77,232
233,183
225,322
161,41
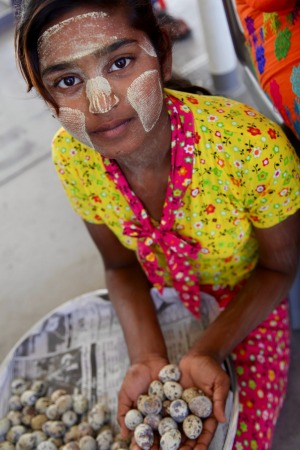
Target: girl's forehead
77,26
81,34
85,20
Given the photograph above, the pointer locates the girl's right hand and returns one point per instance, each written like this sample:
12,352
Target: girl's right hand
136,382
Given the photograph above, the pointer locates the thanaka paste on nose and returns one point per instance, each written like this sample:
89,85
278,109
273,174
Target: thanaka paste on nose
99,93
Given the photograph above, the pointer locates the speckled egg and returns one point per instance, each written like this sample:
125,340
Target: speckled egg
18,386
105,438
80,404
69,418
170,372
172,390
46,445
144,436
40,387
15,417
15,432
38,421
39,436
28,398
179,410
64,403
55,428
133,418
201,406
96,417
27,442
192,426
189,393
85,429
42,404
149,404
156,388
87,443
52,412
166,424
153,420
170,440
14,403
57,393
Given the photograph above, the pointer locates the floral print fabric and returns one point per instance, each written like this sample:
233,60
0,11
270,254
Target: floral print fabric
262,362
177,250
245,174
273,40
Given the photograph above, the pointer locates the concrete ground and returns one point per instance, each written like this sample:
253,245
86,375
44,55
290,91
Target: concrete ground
46,255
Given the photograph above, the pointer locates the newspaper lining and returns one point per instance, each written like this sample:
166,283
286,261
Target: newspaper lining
80,347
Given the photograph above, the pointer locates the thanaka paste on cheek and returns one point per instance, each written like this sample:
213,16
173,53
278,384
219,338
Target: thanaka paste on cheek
73,121
146,97
99,93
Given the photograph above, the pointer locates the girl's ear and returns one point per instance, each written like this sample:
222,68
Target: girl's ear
167,62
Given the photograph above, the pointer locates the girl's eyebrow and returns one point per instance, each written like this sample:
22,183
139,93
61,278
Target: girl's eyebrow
63,65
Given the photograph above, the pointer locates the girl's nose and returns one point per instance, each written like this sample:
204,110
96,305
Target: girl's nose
101,98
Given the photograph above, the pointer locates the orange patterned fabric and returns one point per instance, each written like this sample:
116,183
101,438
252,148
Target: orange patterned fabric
272,31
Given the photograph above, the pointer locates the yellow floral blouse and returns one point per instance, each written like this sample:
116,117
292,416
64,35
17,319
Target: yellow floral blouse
245,175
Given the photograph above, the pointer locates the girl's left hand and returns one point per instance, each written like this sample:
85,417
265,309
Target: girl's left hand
204,372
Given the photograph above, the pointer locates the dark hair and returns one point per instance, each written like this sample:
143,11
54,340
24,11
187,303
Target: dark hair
37,14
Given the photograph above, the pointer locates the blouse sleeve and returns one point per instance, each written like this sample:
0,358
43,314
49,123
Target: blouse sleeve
71,160
267,174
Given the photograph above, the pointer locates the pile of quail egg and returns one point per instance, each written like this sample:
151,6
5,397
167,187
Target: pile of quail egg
169,410
61,421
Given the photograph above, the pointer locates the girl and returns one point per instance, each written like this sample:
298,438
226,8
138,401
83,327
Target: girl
177,190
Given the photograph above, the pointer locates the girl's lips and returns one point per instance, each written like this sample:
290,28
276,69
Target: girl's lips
111,129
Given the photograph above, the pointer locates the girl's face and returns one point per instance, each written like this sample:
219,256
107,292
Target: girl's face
106,79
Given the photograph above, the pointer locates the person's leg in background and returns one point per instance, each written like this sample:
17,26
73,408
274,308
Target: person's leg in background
177,27
272,32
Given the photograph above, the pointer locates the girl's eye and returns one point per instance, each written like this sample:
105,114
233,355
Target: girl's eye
68,82
121,63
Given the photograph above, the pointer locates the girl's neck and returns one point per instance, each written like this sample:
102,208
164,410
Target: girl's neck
148,174
154,156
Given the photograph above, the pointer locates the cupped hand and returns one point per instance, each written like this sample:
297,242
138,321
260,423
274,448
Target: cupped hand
204,372
136,382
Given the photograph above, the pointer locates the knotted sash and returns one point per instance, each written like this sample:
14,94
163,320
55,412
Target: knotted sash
178,250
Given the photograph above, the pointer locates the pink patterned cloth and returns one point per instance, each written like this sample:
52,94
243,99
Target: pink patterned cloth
177,249
262,362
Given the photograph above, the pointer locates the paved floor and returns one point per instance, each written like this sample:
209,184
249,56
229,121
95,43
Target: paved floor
46,255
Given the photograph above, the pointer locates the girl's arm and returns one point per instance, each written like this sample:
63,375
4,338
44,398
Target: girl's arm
129,292
267,286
